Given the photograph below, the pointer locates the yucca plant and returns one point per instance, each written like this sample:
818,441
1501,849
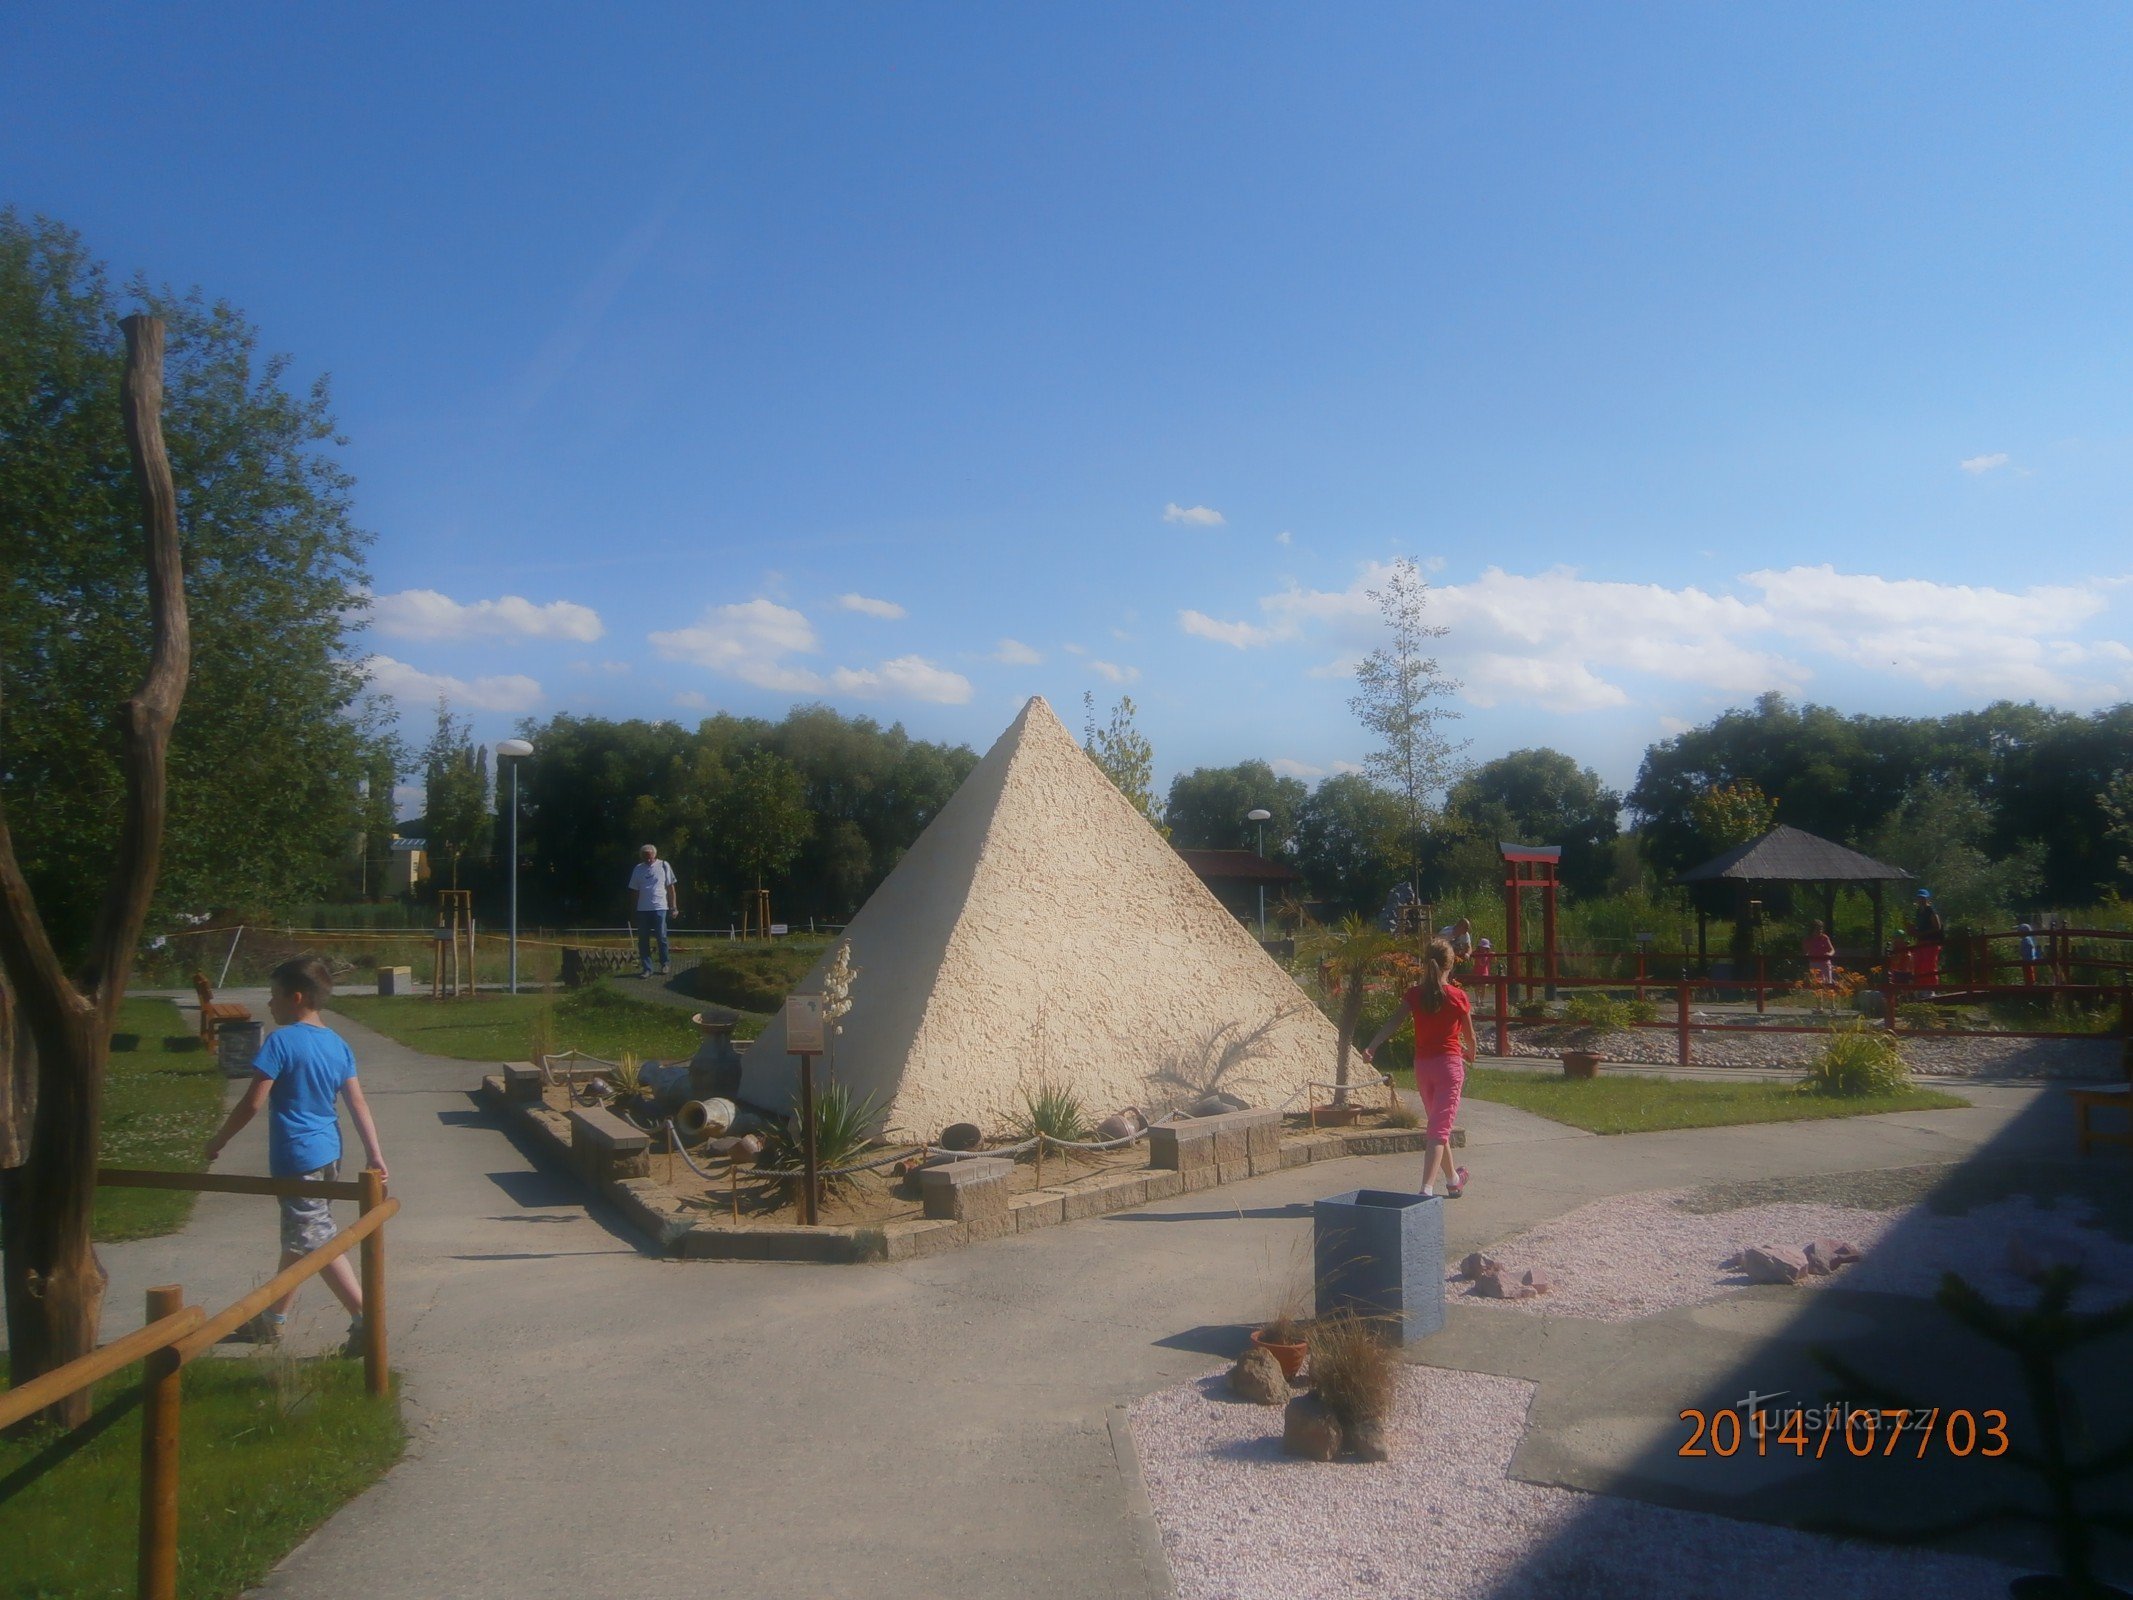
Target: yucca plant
1054,1110
625,1079
1859,1059
844,1130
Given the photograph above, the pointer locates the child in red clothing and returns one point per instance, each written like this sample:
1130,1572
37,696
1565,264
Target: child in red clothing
1444,1039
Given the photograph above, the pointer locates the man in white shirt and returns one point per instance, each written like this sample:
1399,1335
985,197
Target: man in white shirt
652,882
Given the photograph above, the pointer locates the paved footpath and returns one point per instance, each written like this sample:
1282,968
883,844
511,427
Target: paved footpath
589,1419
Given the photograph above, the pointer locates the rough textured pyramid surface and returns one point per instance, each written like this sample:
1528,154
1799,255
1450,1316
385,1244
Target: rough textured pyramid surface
1041,931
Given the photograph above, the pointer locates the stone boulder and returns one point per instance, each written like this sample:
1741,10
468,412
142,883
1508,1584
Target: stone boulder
1770,1264
1504,1284
1367,1441
1258,1377
1825,1256
1478,1262
1309,1430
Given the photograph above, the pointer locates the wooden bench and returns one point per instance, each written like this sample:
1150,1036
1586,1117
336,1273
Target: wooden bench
2088,1101
213,1012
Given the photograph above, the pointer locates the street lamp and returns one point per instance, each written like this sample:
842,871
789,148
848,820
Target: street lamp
1258,817
517,750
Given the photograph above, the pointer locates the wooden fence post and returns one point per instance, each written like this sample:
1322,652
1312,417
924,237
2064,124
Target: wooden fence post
1503,1018
157,1577
1681,1022
377,1375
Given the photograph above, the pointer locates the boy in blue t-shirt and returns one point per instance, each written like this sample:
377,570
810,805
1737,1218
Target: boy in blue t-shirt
299,1076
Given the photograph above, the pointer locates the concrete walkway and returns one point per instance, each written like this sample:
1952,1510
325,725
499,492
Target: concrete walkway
588,1419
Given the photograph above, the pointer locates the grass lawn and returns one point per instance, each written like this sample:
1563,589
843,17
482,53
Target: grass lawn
503,1027
269,1449
162,1100
1623,1102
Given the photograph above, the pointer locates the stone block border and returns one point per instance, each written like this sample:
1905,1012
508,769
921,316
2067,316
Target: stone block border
965,1203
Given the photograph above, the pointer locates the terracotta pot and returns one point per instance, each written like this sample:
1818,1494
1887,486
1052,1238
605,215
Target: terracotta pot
1291,1356
1580,1064
1336,1116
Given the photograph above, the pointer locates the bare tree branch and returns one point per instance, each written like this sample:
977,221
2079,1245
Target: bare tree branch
145,721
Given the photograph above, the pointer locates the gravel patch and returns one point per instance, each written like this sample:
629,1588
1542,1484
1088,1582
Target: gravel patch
1630,1256
1443,1521
2053,1059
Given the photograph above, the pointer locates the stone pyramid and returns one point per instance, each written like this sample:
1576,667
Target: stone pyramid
1041,931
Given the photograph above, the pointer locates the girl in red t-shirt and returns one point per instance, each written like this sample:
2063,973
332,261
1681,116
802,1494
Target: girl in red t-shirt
1444,1038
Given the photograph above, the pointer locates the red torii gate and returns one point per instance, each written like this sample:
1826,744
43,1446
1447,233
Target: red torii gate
1529,866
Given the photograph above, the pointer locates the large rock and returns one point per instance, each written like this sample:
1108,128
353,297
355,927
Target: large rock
1309,1430
1258,1377
1476,1263
1367,1440
1501,1283
1774,1263
1825,1256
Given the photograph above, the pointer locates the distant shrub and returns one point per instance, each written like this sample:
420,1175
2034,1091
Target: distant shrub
1858,1060
1600,1012
1352,1369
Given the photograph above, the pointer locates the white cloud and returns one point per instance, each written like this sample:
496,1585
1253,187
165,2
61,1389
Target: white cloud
1193,516
611,668
1284,537
749,641
1285,768
411,686
905,678
1240,635
1978,466
871,608
1570,643
1345,768
1114,672
693,700
1014,653
1945,635
1076,649
426,614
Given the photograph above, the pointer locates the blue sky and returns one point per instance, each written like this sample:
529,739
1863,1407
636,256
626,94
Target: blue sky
921,358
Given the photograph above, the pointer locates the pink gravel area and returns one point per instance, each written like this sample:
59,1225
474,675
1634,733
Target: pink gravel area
1629,1256
1242,1521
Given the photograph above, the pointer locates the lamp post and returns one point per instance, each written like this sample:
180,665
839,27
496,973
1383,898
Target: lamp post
1258,816
517,750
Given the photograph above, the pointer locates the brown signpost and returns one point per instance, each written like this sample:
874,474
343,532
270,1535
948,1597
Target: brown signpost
803,1038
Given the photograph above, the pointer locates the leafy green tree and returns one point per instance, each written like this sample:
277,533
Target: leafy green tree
379,817
274,730
2117,803
1731,814
1397,693
1349,842
1542,797
1125,755
763,816
1207,807
1940,836
457,826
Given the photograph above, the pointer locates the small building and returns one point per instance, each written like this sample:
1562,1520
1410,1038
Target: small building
406,865
1236,878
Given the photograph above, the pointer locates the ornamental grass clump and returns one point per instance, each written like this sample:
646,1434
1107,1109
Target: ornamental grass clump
1353,1370
1054,1110
1859,1059
844,1130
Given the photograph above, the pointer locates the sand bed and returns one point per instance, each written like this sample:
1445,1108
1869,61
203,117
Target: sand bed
1242,1521
1632,1255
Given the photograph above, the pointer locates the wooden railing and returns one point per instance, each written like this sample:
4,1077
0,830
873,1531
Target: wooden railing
177,1332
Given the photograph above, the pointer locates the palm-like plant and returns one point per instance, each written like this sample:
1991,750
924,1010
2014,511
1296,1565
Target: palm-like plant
1348,957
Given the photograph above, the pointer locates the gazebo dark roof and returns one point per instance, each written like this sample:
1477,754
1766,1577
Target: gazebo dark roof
1787,855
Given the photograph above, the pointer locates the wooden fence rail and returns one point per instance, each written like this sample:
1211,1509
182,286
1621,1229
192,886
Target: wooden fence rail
176,1333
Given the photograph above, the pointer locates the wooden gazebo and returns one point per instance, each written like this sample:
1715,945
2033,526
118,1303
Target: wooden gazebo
1790,855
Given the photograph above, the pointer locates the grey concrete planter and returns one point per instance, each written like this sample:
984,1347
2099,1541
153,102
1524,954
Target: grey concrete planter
1381,1254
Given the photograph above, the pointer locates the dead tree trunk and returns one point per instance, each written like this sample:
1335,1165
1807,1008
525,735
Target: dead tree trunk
53,1281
